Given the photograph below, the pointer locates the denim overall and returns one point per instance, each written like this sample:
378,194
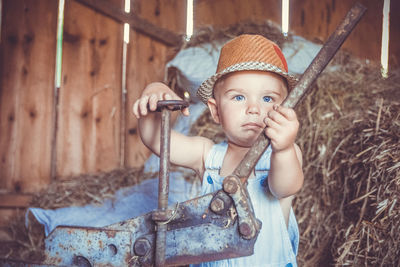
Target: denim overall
276,244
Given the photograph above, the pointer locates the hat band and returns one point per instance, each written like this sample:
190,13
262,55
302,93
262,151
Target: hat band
204,91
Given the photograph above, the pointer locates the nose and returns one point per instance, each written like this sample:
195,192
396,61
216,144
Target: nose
253,107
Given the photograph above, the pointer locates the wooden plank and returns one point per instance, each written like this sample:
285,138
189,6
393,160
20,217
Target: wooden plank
15,200
222,13
313,20
137,23
316,20
88,138
26,91
145,64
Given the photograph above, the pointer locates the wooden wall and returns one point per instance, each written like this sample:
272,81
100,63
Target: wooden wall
313,20
90,94
316,20
26,94
90,107
147,65
95,129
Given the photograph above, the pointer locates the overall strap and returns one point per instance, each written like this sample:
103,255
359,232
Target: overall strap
264,163
217,153
216,156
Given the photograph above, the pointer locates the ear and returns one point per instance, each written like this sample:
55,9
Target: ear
212,106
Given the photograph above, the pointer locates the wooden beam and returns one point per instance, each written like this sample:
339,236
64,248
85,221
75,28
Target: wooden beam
141,25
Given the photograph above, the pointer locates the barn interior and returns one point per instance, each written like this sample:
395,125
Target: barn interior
70,71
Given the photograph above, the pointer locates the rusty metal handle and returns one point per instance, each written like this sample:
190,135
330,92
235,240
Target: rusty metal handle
332,45
172,105
165,106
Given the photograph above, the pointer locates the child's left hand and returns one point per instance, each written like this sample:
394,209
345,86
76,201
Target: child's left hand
282,127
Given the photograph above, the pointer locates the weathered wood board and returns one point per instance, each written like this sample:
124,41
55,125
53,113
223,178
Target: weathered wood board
145,63
26,93
88,136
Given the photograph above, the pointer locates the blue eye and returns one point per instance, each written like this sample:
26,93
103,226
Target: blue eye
267,99
239,97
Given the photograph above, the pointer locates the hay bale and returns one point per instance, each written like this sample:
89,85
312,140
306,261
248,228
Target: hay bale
348,209
88,188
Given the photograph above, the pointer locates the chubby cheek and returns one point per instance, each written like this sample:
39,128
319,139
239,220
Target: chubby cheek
230,119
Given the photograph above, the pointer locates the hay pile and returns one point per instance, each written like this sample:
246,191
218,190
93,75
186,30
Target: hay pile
348,210
87,188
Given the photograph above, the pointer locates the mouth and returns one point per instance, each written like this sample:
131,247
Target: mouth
253,125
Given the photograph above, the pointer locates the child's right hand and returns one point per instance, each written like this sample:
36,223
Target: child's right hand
150,96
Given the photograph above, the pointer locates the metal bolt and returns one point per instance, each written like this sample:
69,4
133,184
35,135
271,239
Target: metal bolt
81,261
245,230
112,250
230,185
141,247
217,205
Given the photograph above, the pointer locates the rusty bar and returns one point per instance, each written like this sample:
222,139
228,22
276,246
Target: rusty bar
163,188
163,185
172,104
319,63
161,215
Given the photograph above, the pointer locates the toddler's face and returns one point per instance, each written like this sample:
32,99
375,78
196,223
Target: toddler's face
242,101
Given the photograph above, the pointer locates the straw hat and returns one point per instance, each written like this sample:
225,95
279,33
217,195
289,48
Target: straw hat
247,52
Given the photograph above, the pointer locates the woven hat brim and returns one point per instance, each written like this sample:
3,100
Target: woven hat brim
205,90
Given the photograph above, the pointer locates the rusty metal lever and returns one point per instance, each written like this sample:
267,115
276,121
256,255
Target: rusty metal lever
161,215
332,45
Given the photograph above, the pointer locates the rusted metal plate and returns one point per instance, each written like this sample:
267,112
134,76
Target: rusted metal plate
82,246
210,242
195,234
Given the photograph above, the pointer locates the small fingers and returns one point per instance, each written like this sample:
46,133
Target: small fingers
148,102
270,123
167,97
135,109
276,116
271,133
143,105
137,106
153,102
288,113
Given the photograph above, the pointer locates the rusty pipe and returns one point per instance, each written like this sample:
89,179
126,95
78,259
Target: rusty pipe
165,107
324,56
163,186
